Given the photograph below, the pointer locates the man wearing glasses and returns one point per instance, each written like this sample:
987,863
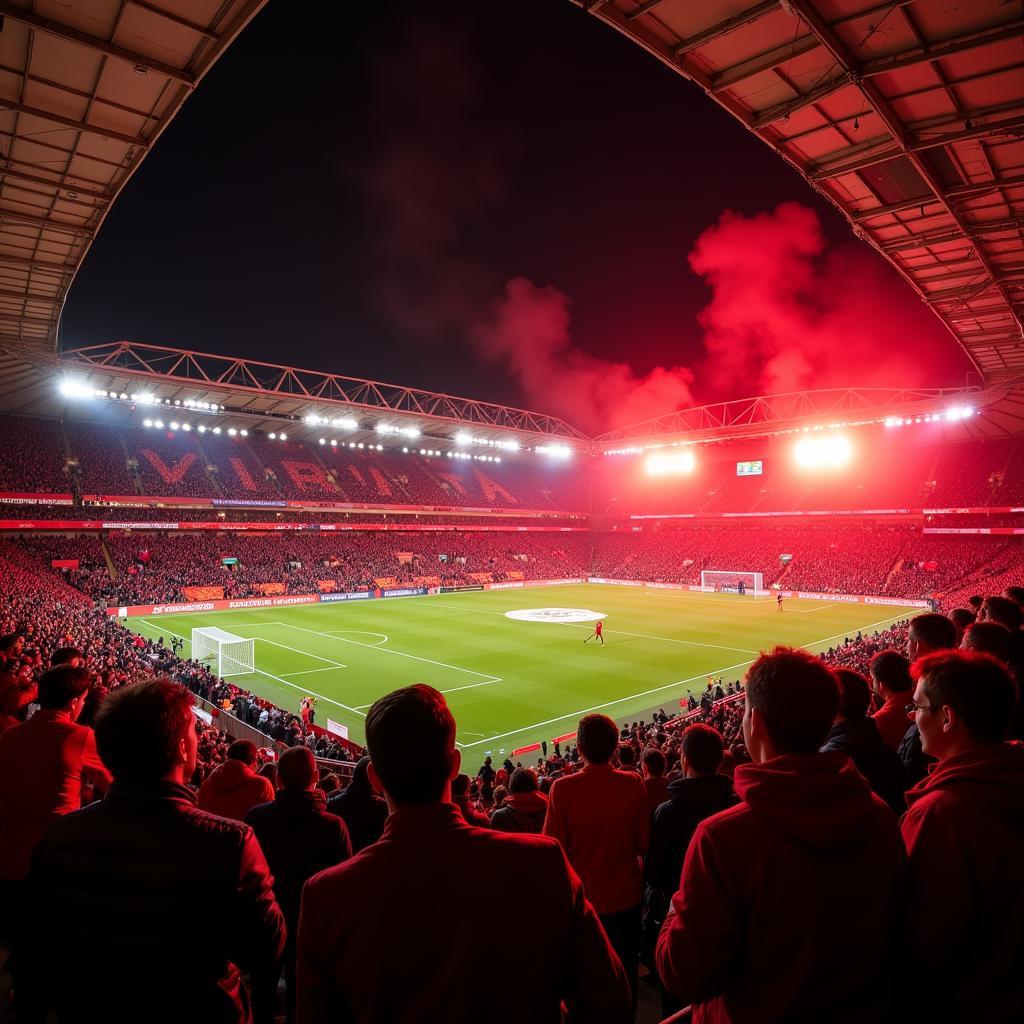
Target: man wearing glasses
964,833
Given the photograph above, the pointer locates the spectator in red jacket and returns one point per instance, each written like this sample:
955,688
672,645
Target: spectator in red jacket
394,934
776,917
603,821
964,834
42,764
890,679
144,907
233,788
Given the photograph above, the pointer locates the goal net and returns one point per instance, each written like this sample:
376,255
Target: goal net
732,582
224,653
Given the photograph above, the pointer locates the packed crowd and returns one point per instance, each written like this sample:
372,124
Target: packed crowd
671,848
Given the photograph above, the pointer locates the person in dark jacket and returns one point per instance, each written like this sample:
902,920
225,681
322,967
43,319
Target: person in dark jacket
855,734
299,838
524,808
697,794
362,810
144,906
461,798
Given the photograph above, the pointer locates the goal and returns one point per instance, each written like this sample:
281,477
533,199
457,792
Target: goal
225,653
729,582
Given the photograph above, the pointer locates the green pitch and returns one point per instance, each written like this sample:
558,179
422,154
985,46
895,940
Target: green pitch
510,682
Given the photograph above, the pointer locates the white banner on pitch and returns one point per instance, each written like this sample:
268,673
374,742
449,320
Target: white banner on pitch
338,729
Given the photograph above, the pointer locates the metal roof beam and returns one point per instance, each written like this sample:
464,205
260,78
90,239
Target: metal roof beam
856,73
6,293
71,35
35,266
823,170
763,62
7,171
837,48
727,25
176,19
971,188
644,8
44,223
78,126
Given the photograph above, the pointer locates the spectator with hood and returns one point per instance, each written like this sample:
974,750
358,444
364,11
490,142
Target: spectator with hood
776,917
233,788
524,808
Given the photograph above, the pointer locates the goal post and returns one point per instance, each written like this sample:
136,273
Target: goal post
729,582
226,654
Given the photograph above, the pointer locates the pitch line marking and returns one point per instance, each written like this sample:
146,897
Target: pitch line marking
668,686
816,608
270,675
401,654
608,704
315,657
621,632
309,671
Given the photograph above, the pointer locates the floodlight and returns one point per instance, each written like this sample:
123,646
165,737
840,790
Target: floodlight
283,437
463,438
159,424
823,452
671,463
147,423
272,436
557,451
232,432
216,430
186,426
75,388
175,426
244,433
202,429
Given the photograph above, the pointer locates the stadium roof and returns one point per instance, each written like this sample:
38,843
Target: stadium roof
907,115
86,88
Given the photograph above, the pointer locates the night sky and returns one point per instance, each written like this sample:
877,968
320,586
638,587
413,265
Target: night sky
351,187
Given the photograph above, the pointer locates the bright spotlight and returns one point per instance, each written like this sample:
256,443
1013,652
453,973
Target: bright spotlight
823,452
283,437
147,423
463,438
272,436
159,424
670,464
75,389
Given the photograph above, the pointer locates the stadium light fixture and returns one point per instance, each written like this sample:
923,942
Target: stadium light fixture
70,388
186,427
463,438
282,437
201,429
272,436
823,452
671,463
232,432
159,424
244,433
216,430
147,423
175,426
556,451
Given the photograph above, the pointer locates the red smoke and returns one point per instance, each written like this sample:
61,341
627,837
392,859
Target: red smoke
528,330
790,313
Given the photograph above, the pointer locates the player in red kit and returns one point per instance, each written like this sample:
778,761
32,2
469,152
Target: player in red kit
598,632
778,598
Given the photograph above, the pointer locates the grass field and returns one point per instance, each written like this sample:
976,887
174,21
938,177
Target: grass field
511,682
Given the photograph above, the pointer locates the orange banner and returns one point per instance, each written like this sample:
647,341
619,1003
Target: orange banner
203,593
385,581
269,588
515,574
427,581
481,577
327,586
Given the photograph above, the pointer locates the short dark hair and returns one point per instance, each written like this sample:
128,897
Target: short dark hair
460,784
893,669
990,638
296,768
522,781
244,751
1003,610
797,697
935,630
63,655
627,755
703,748
654,761
976,601
62,684
410,734
854,693
975,686
1015,594
139,726
597,737
962,618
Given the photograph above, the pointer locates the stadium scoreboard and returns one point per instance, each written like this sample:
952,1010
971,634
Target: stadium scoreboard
750,468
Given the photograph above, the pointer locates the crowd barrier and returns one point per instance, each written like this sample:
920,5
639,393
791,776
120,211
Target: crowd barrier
812,595
232,604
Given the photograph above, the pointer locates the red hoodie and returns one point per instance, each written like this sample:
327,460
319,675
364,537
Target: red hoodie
776,917
965,837
232,789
